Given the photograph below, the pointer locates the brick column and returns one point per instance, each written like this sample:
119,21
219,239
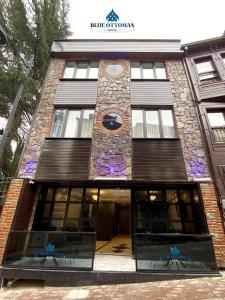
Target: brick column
214,221
8,212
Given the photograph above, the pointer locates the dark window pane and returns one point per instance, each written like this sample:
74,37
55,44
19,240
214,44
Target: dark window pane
50,194
46,210
188,212
74,210
61,194
189,228
72,225
76,194
141,195
59,210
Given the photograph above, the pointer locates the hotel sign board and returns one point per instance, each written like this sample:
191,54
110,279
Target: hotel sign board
112,23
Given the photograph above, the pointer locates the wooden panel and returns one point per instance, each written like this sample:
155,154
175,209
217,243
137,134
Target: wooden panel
158,160
64,159
156,92
77,92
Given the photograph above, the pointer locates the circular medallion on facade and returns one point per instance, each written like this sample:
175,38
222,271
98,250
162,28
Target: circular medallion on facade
112,121
114,69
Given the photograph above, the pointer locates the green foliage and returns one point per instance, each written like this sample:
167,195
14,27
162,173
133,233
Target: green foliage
31,26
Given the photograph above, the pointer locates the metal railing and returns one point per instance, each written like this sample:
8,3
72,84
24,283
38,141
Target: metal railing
51,250
183,253
218,135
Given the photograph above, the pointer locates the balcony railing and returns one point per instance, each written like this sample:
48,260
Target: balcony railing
51,250
218,135
184,253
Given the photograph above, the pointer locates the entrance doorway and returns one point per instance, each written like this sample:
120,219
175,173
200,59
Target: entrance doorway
113,231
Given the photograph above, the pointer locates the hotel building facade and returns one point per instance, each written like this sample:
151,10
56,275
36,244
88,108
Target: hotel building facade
114,164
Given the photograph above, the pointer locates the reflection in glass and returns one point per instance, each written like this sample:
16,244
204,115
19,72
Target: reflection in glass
91,194
56,225
168,125
137,124
160,70
148,71
171,196
135,70
69,70
174,212
57,124
59,210
81,71
76,194
185,196
74,210
112,121
152,124
216,119
61,194
93,71
87,124
72,123
175,227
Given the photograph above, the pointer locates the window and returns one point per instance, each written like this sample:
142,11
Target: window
73,123
148,70
169,211
206,69
81,70
69,209
217,124
153,124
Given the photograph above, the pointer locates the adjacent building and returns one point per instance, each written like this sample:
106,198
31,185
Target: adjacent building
205,62
115,153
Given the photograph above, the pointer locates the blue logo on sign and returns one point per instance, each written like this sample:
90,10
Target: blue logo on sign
112,16
175,251
50,248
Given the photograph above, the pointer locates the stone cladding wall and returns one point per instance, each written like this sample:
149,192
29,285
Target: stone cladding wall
111,149
42,120
187,121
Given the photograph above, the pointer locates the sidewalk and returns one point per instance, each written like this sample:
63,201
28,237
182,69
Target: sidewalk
190,289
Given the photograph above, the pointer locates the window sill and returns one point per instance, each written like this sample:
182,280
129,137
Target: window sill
66,138
160,80
78,79
155,139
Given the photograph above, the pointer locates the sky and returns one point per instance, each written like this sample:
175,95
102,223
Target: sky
189,20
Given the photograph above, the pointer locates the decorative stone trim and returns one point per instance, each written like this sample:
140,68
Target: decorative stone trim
121,130
123,73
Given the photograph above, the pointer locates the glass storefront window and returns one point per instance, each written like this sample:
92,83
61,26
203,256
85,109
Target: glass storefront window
72,225
56,225
74,210
174,212
46,211
172,196
59,210
61,194
49,196
76,194
185,196
91,194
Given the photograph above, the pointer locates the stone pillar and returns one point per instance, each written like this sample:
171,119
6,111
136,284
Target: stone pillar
214,221
8,212
111,143
187,122
41,120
